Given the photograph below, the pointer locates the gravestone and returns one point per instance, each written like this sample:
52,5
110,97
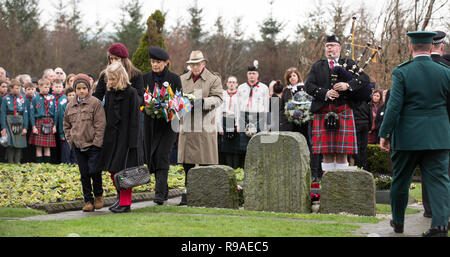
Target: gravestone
277,173
350,191
212,186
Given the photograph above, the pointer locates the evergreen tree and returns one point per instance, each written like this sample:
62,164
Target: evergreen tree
270,28
130,29
153,37
195,25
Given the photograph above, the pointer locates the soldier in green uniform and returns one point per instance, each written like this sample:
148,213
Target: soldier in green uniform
416,125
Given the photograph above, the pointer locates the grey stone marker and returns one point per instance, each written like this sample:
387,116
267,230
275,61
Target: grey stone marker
277,173
212,186
351,191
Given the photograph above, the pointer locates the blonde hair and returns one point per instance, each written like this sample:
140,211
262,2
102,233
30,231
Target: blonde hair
119,71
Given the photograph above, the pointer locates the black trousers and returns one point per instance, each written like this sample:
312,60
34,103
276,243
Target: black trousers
88,165
161,186
362,132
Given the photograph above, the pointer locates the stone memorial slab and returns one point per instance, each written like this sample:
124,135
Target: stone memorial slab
212,186
277,173
350,191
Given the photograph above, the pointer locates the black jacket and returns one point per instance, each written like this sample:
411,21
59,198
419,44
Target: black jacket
159,137
137,82
318,83
121,136
438,58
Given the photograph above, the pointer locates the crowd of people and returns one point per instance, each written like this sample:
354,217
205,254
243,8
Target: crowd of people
100,126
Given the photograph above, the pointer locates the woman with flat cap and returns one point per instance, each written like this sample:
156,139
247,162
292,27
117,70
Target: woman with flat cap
159,136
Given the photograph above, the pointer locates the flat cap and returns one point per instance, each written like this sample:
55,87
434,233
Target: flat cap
157,53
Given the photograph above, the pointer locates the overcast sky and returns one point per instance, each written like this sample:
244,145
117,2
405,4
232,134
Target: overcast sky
253,12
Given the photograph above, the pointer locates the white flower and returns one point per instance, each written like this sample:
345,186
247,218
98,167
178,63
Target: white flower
166,84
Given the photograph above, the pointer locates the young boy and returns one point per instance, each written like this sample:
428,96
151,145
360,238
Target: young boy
14,121
68,155
60,98
84,126
43,118
29,153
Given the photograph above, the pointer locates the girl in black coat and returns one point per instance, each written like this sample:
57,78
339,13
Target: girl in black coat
159,137
121,135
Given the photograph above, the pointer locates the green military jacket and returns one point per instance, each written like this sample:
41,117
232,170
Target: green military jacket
417,117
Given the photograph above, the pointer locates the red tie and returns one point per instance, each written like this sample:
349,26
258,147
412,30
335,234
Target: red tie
331,64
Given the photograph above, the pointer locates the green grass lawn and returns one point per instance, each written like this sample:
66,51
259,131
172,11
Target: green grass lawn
174,221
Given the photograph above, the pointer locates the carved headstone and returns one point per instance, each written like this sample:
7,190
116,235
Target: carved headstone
277,173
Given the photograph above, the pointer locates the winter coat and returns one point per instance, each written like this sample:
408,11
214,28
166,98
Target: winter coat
120,141
159,137
200,147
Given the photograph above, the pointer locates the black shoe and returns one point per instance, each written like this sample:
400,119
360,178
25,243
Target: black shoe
183,200
158,202
440,231
121,209
427,215
115,204
398,228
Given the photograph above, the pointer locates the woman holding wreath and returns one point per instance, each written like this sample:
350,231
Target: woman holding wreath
159,137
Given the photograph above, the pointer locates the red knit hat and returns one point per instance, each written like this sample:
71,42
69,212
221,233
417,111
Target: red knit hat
119,50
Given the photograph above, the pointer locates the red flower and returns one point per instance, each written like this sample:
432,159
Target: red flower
315,185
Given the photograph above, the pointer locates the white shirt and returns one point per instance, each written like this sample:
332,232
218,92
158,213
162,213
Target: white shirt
259,102
229,108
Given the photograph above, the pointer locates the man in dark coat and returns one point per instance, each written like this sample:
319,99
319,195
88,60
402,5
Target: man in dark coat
334,144
437,49
159,137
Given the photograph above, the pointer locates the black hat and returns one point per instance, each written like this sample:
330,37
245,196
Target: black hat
333,38
439,38
157,53
253,67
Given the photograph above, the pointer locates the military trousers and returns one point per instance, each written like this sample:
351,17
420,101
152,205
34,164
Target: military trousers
433,165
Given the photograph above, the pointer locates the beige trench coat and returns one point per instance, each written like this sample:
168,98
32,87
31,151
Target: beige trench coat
197,142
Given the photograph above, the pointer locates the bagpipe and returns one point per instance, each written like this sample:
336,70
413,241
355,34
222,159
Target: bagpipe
350,69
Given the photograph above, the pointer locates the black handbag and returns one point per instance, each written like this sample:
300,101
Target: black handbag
131,177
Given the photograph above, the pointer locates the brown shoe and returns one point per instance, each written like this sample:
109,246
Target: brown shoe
98,202
88,207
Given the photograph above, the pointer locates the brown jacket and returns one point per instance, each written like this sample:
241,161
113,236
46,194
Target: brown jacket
198,132
84,123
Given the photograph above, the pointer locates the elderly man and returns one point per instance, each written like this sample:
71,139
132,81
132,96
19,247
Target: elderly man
197,143
416,125
60,74
50,75
335,143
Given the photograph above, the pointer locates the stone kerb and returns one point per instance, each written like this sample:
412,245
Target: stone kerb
350,191
212,186
277,173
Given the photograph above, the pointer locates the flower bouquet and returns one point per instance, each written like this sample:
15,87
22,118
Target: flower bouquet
297,109
164,103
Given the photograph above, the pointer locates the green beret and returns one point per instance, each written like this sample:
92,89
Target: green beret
421,37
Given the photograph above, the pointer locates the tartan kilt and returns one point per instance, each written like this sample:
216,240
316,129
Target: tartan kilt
341,141
40,139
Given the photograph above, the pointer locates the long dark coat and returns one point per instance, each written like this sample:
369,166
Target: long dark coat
159,137
122,130
137,82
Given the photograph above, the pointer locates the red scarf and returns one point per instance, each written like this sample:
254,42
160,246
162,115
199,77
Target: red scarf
15,103
231,97
45,104
57,99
